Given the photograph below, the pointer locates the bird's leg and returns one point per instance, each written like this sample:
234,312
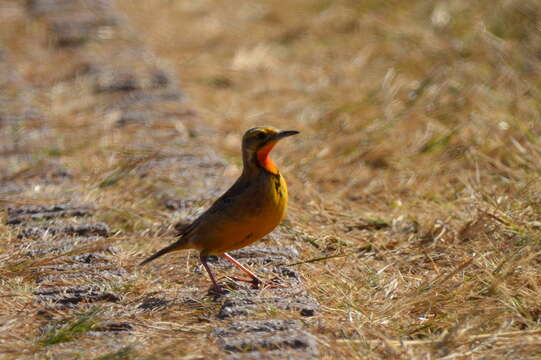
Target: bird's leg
255,280
215,286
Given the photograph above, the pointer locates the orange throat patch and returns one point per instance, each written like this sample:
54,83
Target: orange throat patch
264,158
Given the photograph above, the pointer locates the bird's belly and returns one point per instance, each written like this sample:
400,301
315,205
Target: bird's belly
243,227
243,233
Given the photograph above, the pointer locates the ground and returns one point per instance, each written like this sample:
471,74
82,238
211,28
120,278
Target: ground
413,229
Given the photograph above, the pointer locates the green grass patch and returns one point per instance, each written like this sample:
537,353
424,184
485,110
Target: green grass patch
72,330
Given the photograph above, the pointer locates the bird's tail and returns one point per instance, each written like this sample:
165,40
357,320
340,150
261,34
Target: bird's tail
179,245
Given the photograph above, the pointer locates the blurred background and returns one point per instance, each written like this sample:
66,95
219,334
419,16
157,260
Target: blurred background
403,106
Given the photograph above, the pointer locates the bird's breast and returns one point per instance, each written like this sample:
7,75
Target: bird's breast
249,216
266,207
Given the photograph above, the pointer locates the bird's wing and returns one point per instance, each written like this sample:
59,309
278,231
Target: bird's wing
220,205
183,228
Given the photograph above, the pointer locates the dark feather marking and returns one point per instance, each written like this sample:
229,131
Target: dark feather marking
277,185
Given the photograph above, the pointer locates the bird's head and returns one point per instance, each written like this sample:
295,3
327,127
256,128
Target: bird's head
257,144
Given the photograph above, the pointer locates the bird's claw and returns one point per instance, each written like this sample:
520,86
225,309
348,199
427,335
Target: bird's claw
275,283
258,284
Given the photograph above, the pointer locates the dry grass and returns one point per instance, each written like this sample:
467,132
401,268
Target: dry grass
424,115
415,192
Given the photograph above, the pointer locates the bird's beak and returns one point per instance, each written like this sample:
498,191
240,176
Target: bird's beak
283,134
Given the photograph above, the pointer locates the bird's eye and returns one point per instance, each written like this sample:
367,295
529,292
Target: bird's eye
261,135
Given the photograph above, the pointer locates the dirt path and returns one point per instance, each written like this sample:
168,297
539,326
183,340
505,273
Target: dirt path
101,153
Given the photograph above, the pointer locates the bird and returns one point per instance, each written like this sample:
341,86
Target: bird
252,207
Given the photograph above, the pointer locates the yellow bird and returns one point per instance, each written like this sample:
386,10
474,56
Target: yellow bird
249,210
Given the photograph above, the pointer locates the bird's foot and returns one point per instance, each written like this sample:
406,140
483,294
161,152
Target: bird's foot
256,283
274,283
